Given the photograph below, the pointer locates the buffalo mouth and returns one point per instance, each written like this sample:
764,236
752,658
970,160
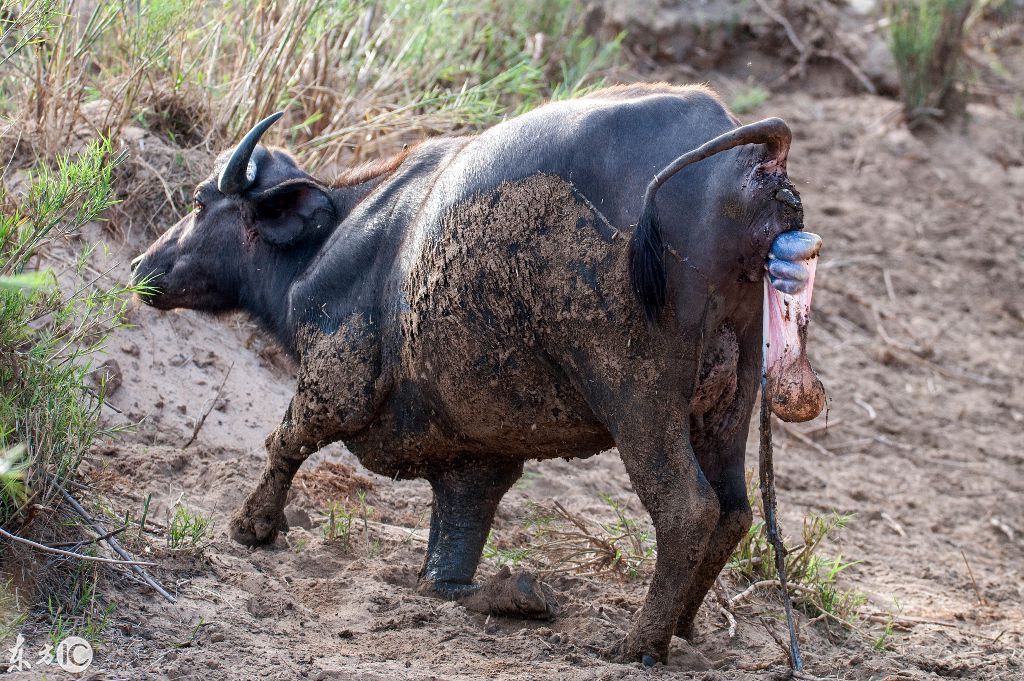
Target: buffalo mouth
793,390
144,280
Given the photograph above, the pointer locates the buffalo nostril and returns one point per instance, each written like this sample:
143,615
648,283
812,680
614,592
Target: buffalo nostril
135,263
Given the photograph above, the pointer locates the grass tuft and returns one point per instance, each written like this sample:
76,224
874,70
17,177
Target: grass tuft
748,100
570,542
926,38
189,530
338,526
812,574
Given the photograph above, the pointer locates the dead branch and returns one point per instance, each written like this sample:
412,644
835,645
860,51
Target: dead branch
112,542
69,554
209,408
807,53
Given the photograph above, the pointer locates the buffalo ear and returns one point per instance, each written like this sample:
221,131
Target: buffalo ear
292,211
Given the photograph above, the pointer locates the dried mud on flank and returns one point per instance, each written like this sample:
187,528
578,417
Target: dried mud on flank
918,337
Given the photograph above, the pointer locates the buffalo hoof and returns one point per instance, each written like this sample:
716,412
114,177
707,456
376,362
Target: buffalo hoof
518,594
255,529
630,650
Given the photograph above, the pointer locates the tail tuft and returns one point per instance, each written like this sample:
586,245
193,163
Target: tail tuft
647,263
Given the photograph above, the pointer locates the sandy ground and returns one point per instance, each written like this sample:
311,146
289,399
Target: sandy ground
918,336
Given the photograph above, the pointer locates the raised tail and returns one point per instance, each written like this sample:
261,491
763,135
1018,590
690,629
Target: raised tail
647,246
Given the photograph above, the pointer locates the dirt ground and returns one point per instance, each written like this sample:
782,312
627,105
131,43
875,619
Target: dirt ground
918,336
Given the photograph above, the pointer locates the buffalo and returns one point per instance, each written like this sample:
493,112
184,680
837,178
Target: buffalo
584,276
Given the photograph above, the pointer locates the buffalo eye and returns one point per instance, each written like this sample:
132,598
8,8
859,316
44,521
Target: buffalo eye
197,204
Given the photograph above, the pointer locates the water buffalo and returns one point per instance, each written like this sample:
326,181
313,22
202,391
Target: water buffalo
525,293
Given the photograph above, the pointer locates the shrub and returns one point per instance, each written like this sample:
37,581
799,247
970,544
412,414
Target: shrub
49,415
926,38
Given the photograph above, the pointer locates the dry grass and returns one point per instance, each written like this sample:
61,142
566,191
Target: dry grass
357,79
813,576
567,542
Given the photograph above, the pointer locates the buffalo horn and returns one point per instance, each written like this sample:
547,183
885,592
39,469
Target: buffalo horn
237,174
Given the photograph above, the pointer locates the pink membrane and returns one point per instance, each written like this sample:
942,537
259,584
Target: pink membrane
787,316
793,391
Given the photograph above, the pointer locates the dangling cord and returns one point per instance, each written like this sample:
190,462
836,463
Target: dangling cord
767,480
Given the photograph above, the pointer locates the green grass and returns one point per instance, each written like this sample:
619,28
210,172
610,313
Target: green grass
813,574
926,39
189,529
504,556
338,527
79,611
746,101
882,641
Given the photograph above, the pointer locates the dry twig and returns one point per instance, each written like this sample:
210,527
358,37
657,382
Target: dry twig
113,543
209,408
806,53
69,554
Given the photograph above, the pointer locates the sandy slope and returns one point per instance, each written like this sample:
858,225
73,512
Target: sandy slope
918,336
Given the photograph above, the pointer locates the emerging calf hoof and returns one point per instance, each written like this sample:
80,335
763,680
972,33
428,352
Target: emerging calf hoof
514,595
253,529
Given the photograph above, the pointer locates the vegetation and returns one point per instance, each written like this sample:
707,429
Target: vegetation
189,529
926,38
49,414
356,77
564,541
812,575
749,99
77,612
338,526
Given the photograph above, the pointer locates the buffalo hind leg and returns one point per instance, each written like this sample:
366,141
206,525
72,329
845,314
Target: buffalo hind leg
667,478
733,522
465,500
720,443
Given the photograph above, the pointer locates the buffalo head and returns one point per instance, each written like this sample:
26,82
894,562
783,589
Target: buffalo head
257,218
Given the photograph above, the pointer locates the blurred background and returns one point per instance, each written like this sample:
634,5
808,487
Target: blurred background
904,507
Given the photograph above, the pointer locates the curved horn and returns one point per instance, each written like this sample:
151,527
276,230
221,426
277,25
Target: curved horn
236,175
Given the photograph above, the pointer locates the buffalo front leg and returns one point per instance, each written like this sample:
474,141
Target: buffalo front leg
667,478
261,516
337,393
